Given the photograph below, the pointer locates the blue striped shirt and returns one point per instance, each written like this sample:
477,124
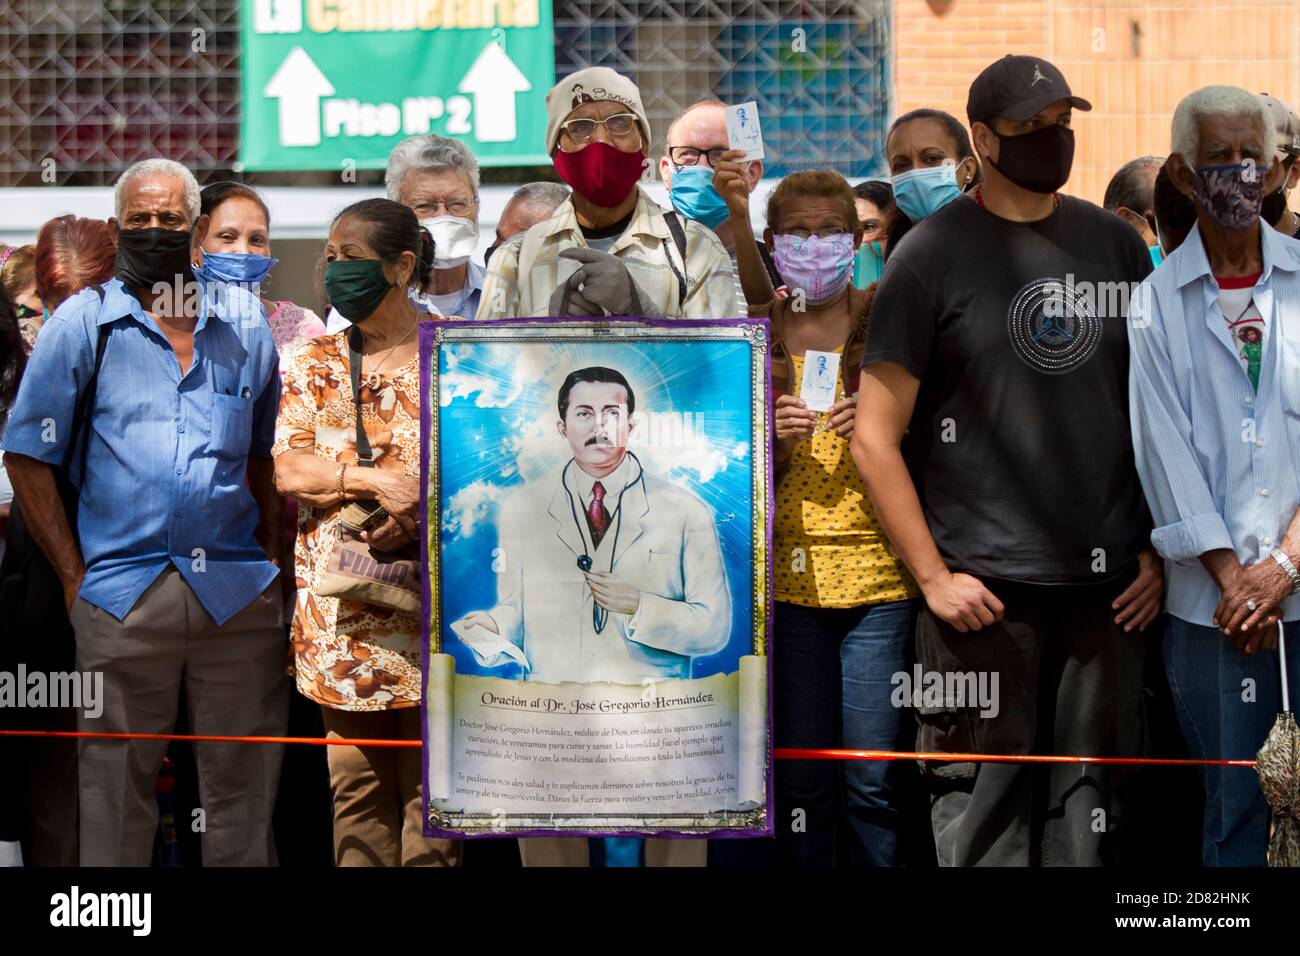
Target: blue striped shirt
165,463
1219,461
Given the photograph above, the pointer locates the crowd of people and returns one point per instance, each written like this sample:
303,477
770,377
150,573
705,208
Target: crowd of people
1062,446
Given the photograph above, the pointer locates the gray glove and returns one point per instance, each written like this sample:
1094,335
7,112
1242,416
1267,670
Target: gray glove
601,286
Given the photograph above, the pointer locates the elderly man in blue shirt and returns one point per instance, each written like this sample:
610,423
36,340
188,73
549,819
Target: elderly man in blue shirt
1215,401
170,575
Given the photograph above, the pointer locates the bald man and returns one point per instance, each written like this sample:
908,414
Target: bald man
695,144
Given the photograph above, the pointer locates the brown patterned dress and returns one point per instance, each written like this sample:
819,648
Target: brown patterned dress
348,655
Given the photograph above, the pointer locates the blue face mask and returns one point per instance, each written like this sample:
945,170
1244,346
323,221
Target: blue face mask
245,268
923,192
692,194
1157,254
868,263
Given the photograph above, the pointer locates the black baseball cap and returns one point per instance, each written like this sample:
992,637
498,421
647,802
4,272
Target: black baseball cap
1018,88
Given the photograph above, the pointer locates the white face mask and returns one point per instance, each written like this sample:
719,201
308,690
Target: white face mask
454,240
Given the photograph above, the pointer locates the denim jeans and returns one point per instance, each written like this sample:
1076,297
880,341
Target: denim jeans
1207,677
832,669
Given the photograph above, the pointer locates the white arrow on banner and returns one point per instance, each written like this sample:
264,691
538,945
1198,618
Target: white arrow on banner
299,84
494,80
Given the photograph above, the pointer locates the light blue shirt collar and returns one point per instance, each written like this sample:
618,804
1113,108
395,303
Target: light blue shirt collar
1191,262
119,303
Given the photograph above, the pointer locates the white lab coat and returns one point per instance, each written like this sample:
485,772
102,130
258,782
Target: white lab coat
667,547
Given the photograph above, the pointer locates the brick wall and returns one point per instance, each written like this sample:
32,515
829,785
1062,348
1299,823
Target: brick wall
1133,59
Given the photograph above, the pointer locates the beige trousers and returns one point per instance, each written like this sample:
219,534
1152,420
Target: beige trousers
235,684
378,808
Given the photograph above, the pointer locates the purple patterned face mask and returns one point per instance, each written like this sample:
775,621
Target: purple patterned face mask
821,267
1231,195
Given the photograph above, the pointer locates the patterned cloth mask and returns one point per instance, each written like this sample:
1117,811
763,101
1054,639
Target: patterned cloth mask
1231,195
820,267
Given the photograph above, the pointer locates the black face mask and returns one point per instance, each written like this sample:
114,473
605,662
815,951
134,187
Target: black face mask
1274,206
146,257
1039,161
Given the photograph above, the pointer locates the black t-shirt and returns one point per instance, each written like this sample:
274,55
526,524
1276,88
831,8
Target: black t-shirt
1019,444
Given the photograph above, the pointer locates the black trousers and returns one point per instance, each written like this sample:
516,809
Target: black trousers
1067,680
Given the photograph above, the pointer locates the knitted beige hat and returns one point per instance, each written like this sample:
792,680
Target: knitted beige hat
591,85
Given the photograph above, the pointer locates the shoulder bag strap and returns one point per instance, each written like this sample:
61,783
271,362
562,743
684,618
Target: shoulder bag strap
86,403
679,239
364,457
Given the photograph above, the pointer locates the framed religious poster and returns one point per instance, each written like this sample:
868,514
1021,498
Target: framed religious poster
597,595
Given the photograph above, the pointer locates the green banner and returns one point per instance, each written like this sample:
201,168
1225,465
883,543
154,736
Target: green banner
333,84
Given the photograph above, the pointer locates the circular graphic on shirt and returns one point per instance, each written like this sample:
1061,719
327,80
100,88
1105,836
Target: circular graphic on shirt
1053,326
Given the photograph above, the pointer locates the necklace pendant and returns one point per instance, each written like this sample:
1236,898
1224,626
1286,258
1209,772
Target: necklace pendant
372,381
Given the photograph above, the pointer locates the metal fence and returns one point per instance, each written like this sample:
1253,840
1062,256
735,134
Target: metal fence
88,88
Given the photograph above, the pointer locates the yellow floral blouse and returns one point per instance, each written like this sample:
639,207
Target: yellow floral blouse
828,547
348,655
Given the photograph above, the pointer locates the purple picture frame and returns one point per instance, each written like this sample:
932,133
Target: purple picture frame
428,331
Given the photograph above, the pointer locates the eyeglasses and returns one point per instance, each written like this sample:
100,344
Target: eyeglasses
803,234
582,130
454,207
690,156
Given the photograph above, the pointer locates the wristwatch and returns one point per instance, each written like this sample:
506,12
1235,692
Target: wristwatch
1278,555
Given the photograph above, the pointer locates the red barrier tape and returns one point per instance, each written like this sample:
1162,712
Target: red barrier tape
781,753
214,738
791,753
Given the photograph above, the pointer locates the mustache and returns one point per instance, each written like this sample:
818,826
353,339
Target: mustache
597,440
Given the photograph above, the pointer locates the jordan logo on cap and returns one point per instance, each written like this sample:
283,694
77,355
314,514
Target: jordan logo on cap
1038,75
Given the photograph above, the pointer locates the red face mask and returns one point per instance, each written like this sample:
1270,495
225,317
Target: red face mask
600,173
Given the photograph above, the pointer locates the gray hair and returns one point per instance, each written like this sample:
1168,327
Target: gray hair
540,199
1130,188
1185,137
158,167
428,152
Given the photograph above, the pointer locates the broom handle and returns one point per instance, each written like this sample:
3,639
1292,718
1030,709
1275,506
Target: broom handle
1281,656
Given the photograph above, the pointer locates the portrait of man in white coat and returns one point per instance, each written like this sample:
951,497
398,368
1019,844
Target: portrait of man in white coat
608,572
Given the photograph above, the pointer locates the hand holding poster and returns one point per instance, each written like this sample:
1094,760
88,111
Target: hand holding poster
597,597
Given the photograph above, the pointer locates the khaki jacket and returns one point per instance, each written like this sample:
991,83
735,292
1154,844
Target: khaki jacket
524,272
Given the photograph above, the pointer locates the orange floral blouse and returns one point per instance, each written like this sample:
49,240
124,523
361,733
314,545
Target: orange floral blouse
347,654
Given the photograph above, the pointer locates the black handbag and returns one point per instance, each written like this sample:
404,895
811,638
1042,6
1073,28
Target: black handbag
34,624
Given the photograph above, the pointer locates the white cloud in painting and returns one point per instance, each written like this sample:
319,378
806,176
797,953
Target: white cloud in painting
471,506
467,377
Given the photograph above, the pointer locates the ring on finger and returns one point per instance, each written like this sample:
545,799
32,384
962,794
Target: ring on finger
1251,605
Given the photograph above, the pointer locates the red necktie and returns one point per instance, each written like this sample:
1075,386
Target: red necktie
597,516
